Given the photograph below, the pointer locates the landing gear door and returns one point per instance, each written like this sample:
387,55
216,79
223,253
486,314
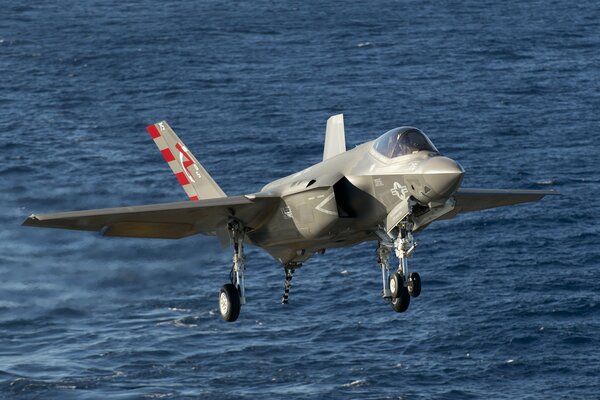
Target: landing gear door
398,213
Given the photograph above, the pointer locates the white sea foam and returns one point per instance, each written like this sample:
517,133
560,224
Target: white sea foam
356,383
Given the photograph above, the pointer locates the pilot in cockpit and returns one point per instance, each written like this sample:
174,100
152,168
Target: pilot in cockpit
403,141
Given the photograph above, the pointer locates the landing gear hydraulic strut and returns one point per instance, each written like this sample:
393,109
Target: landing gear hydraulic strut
383,259
399,286
233,295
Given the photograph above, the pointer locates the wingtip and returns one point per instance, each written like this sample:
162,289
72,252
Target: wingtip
552,192
31,220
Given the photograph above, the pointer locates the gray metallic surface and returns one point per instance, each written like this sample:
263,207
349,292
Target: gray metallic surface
338,202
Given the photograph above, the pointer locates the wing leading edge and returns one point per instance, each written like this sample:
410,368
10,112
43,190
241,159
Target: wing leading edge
165,221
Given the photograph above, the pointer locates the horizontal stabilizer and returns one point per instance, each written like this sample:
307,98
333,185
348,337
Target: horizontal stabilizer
165,221
192,176
335,138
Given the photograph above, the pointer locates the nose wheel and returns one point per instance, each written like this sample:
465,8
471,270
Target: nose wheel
396,284
414,284
401,303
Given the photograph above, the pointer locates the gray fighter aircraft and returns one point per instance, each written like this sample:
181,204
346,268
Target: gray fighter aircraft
384,190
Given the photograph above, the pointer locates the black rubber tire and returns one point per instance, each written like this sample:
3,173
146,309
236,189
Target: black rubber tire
229,302
415,289
396,284
401,303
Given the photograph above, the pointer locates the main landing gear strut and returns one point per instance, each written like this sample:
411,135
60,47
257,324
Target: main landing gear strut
233,295
399,286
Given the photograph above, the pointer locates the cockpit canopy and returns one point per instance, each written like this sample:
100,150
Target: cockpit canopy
402,141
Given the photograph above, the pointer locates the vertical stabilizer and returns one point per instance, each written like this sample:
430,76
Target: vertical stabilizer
192,176
335,139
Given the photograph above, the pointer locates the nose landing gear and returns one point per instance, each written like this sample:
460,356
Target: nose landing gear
400,286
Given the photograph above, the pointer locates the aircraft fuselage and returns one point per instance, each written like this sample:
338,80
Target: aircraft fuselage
320,209
383,190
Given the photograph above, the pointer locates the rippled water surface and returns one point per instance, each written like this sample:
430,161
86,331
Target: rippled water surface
510,304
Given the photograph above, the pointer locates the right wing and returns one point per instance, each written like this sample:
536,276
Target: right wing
468,200
165,221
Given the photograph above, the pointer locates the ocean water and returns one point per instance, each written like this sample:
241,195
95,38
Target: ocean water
510,303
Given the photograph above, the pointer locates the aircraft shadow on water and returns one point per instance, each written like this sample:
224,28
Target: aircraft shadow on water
384,190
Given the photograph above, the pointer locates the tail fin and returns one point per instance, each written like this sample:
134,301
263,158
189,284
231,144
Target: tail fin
196,182
335,139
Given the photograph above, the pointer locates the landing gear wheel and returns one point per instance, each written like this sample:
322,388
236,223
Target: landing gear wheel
396,284
229,302
401,303
414,286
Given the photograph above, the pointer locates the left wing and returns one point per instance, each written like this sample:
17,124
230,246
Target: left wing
468,200
165,221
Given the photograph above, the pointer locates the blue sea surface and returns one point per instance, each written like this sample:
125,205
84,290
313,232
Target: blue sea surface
511,297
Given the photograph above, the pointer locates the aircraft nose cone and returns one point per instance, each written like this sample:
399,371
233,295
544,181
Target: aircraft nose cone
442,177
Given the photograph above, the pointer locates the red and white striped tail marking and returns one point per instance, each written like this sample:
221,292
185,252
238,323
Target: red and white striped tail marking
192,176
183,166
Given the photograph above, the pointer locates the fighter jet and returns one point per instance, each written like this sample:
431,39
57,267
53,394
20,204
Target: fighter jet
383,191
